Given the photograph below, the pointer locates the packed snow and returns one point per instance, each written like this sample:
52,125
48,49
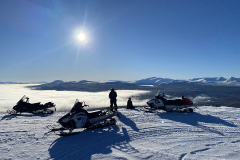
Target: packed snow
208,133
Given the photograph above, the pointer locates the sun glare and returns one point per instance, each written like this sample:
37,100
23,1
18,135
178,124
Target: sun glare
81,37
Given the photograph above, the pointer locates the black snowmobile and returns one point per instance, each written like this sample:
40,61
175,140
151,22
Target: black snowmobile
161,103
80,118
23,105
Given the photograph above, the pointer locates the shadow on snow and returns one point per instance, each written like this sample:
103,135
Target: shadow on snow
128,122
90,142
96,141
194,118
9,117
102,140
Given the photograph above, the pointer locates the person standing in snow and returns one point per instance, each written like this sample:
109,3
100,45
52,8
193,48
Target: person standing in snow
113,99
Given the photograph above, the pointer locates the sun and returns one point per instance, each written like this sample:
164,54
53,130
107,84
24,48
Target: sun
81,37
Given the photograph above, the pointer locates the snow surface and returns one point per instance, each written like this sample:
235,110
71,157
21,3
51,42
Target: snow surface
208,133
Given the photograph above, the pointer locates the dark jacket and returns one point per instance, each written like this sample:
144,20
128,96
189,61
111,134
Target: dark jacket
130,105
113,95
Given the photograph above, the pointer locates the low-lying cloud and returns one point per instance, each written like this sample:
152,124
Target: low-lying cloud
201,98
64,100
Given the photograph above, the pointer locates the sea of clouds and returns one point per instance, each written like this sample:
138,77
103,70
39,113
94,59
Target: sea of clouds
10,94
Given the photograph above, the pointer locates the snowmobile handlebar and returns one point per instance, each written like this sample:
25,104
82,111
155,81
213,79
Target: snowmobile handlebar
85,105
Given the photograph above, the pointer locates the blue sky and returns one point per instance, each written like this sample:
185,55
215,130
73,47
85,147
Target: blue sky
125,39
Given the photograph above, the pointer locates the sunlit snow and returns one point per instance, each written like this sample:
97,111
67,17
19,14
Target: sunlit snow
208,133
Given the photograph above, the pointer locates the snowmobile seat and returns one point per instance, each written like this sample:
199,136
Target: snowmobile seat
94,114
178,102
169,102
37,103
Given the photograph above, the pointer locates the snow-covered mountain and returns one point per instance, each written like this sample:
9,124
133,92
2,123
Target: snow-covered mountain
152,81
233,79
216,80
208,80
157,81
148,81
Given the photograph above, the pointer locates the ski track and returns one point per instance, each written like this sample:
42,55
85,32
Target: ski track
208,133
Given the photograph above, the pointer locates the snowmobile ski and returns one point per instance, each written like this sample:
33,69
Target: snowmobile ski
117,114
51,128
180,110
145,109
67,134
60,131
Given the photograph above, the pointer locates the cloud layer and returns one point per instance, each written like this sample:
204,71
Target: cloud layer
64,100
201,98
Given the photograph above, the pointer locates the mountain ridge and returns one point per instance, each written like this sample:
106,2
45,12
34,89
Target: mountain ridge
159,80
147,81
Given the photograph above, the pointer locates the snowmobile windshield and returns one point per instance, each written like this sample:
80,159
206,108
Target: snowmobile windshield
22,99
159,97
77,106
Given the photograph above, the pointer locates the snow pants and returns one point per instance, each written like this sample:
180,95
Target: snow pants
113,102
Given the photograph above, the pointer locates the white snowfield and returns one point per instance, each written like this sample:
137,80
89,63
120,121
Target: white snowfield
208,133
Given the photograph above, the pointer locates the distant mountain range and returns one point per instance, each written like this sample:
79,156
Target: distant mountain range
158,81
215,80
148,81
42,82
212,80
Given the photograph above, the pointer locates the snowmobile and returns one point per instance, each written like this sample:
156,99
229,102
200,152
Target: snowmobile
23,105
161,103
79,118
